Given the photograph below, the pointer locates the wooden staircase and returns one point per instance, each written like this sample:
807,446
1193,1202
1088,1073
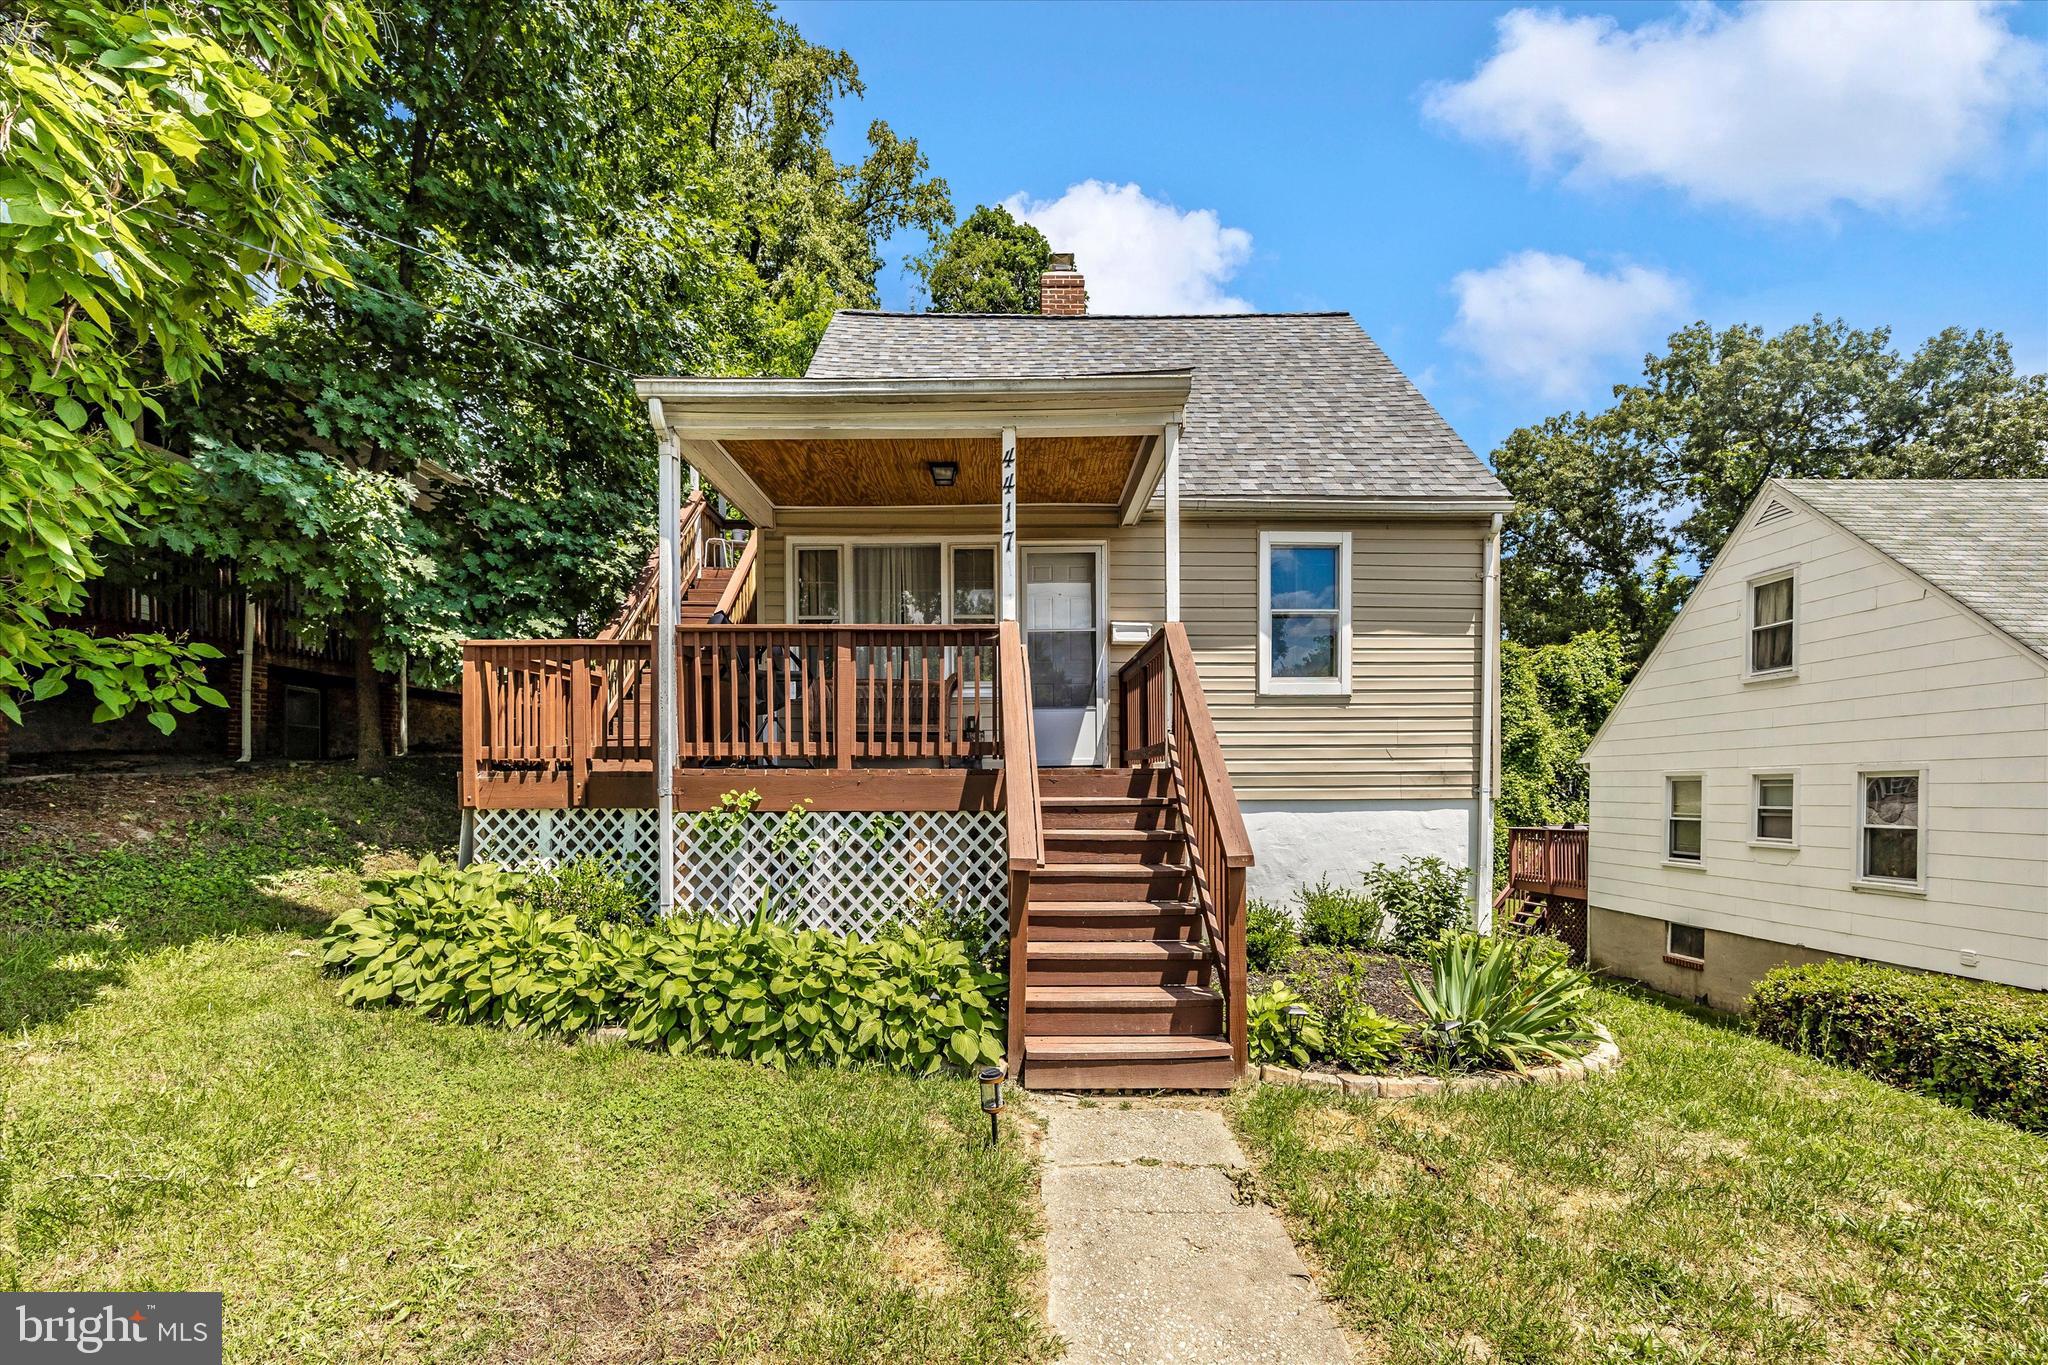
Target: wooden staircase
1127,892
1117,994
702,596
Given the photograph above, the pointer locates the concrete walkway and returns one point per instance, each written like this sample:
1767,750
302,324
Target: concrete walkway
1154,1254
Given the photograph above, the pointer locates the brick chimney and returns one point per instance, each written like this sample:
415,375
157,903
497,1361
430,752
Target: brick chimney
1062,292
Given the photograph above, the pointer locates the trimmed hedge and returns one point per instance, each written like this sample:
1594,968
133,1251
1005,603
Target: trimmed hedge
463,944
1980,1046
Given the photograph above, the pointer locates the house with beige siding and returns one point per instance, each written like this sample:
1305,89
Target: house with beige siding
1087,627
1839,748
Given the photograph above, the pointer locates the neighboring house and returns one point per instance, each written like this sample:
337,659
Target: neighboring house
1839,748
294,698
1084,625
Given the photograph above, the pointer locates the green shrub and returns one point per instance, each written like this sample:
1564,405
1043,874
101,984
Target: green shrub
1269,935
1338,917
1281,1028
591,891
1360,1036
1980,1046
1422,898
944,918
1492,1001
465,945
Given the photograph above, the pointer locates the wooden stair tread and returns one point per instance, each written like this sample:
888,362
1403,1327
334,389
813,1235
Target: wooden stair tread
1086,1047
1115,835
1124,909
1146,870
1164,949
1117,997
1105,802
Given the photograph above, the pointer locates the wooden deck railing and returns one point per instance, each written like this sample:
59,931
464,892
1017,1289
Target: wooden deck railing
836,695
1165,712
821,696
1020,799
538,711
737,601
636,618
1548,860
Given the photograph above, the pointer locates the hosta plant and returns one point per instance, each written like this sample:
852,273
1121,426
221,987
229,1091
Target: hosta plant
467,944
1281,1027
1488,1002
1360,1036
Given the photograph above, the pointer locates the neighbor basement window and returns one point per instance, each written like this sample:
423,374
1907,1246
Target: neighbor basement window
1774,796
1890,814
1305,612
1682,819
1687,941
1770,625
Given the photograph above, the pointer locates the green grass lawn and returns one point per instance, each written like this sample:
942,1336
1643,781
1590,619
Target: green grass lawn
1717,1199
187,1105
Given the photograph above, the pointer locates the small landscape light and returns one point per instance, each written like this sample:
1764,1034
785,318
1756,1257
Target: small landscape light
1297,1012
991,1078
943,472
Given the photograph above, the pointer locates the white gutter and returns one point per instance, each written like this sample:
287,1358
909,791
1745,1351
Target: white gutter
1489,733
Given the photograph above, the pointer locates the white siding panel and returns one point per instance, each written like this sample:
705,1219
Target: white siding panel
1891,673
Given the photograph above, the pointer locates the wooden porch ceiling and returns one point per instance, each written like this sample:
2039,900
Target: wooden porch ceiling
895,471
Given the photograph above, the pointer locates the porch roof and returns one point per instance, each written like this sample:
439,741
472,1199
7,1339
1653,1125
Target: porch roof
1086,440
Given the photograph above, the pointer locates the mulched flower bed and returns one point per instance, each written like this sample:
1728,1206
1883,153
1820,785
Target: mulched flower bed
1381,979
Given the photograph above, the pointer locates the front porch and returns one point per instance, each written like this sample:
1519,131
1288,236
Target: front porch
908,748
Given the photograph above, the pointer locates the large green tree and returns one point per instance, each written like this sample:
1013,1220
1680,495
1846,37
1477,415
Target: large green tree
541,199
1619,509
158,171
990,263
1552,699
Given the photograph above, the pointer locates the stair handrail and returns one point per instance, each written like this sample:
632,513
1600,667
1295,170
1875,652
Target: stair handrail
737,601
1220,846
635,620
1021,813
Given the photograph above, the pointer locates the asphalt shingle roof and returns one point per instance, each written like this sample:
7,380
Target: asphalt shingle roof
1982,541
1282,406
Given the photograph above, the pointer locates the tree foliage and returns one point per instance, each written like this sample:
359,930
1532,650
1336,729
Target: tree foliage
1619,509
1552,700
540,199
156,164
991,263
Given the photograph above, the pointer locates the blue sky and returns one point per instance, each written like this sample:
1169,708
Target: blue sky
1517,203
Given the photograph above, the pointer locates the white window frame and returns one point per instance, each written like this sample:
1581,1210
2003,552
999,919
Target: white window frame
843,546
1756,783
1863,881
1750,672
789,599
1339,686
1672,954
1671,780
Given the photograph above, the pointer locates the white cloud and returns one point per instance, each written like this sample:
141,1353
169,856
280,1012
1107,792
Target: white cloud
1544,321
1141,255
1784,109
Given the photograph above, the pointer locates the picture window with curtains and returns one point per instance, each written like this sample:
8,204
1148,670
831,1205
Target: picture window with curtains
1305,612
892,583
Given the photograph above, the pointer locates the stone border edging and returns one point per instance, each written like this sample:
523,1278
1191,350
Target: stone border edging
1605,1057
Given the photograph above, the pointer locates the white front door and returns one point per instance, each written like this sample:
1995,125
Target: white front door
1069,668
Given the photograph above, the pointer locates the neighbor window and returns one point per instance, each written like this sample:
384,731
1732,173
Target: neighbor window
1682,819
1305,611
1889,815
1688,941
1770,625
1773,809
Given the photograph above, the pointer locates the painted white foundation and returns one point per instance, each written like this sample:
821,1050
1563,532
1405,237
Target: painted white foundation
1301,842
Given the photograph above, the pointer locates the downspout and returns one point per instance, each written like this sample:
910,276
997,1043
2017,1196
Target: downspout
1489,732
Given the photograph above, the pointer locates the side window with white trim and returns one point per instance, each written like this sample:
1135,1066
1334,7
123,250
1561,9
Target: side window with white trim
1305,612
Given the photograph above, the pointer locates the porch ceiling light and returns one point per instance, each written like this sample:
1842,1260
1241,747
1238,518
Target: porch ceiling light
943,472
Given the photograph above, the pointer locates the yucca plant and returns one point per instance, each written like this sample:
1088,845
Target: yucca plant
1487,1003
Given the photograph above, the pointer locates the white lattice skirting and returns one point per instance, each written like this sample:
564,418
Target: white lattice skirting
839,870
